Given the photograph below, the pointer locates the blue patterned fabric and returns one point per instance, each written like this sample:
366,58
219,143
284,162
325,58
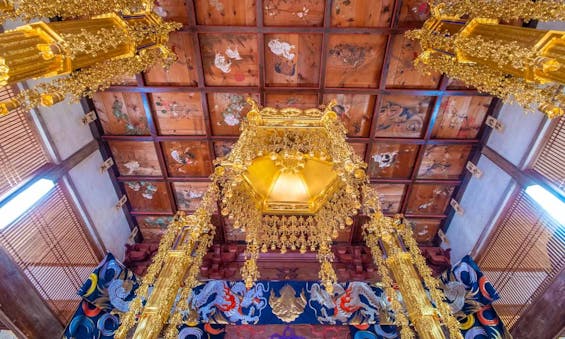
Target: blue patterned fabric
375,331
111,286
484,324
90,321
467,289
362,306
201,331
268,302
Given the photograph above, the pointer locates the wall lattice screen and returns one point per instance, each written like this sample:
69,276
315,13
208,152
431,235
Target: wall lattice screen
48,243
551,160
523,256
51,247
21,153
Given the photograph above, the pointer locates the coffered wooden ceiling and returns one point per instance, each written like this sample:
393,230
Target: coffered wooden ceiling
415,131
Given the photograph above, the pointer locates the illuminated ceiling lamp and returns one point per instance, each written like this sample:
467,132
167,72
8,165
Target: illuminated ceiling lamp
291,162
290,182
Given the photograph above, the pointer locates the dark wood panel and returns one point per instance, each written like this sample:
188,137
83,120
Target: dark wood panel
178,113
401,71
425,230
172,10
121,113
187,158
301,101
355,111
227,110
444,161
189,194
183,71
148,196
222,148
390,196
392,160
429,199
402,116
413,12
461,117
135,158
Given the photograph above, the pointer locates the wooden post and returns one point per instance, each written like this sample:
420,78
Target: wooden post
546,317
21,302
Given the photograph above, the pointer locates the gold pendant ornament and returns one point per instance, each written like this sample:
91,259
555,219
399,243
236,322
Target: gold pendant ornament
287,307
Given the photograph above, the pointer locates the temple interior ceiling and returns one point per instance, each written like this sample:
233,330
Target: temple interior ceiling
416,132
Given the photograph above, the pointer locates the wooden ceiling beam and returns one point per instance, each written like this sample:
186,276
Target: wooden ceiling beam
292,89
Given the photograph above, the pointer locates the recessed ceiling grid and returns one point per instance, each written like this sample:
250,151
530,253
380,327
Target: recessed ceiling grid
416,132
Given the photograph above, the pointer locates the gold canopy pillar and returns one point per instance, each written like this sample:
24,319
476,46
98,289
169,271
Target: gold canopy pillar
160,302
420,310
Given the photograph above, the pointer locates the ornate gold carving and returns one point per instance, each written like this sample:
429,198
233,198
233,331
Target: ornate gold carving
516,64
94,52
287,307
507,10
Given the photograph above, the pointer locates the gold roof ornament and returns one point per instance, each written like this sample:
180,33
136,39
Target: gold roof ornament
291,182
85,55
517,64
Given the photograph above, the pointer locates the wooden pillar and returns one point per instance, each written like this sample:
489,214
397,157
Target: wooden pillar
23,305
546,317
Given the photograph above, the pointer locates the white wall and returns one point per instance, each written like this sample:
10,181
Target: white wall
64,128
520,129
481,200
98,195
486,196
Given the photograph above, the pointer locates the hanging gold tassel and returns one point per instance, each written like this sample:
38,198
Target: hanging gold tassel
401,320
190,283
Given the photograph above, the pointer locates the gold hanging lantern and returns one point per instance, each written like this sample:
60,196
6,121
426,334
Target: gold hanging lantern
516,64
291,182
90,53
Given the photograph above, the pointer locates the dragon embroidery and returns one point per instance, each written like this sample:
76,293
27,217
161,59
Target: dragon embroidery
358,301
236,303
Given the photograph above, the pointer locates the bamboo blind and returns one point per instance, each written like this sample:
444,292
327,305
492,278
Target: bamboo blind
51,247
21,152
551,160
523,256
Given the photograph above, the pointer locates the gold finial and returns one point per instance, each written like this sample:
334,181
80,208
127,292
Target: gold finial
252,103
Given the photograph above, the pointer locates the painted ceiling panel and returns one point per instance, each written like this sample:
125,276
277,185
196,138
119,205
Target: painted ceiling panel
415,131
